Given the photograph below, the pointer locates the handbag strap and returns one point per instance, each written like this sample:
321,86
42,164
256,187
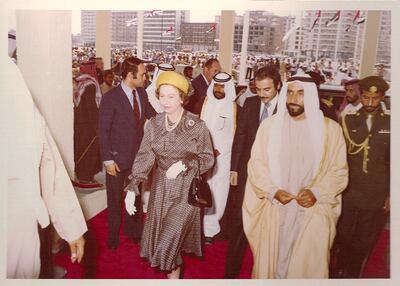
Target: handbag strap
198,168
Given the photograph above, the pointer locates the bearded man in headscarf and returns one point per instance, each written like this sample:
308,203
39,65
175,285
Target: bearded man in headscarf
219,114
296,174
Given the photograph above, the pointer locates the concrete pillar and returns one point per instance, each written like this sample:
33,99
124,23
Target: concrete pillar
243,53
139,34
103,37
44,58
370,43
226,40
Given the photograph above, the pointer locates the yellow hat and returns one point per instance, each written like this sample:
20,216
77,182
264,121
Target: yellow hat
174,79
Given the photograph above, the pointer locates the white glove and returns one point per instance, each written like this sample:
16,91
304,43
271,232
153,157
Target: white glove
130,203
175,169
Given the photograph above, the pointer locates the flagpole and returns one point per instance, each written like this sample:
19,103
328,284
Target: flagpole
318,39
338,33
139,34
356,45
243,52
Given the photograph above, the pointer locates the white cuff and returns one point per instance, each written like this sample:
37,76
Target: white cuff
271,195
316,193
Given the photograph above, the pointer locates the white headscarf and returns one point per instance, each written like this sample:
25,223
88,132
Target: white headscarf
215,108
315,122
151,89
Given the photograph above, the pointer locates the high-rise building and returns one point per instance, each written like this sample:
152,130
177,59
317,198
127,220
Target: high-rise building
160,28
266,31
341,40
198,37
122,34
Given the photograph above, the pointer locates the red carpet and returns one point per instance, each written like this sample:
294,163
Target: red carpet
101,263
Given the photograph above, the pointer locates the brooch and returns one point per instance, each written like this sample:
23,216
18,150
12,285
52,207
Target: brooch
191,122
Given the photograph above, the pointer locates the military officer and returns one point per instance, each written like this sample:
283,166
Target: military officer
366,200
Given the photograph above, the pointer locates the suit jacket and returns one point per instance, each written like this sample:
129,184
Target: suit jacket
120,133
200,87
248,121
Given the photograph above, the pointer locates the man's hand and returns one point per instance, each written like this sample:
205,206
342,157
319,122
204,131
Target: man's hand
77,249
386,206
283,197
216,153
306,198
233,178
112,169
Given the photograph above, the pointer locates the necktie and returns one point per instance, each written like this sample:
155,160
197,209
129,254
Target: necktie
264,113
136,110
369,122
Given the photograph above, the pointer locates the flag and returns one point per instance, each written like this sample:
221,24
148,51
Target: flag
333,19
316,20
131,22
153,13
356,20
168,31
212,29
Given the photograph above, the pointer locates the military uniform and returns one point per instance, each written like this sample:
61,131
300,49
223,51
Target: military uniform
363,201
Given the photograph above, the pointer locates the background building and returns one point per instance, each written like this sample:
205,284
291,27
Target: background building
162,28
266,31
342,40
198,37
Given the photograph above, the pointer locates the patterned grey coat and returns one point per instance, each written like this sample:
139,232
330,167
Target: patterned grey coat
172,225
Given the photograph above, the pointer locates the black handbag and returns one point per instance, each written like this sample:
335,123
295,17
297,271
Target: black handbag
199,192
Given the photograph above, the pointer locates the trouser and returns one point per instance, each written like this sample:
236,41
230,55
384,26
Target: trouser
132,224
357,232
237,240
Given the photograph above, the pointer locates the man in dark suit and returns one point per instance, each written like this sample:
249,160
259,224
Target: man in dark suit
255,109
123,111
366,199
200,85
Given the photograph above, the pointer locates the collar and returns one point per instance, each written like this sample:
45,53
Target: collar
205,78
126,89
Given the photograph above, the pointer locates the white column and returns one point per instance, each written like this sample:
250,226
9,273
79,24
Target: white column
139,34
226,40
370,43
243,53
44,58
103,37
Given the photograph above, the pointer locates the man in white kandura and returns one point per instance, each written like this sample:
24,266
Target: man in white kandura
296,172
219,114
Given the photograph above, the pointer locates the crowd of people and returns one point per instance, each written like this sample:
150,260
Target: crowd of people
305,185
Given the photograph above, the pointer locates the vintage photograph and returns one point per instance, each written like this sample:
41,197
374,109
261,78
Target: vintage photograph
199,144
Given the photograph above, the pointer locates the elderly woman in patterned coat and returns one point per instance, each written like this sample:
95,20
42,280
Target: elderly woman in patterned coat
177,142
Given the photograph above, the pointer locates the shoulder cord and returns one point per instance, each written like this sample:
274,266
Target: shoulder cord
352,146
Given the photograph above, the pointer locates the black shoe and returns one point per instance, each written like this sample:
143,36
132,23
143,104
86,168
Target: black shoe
209,240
